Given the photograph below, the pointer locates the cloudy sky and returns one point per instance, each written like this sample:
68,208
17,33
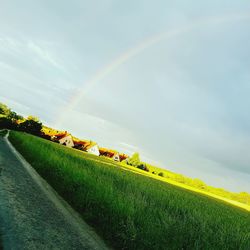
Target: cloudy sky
170,79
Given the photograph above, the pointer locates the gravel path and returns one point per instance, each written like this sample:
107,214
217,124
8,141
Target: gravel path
32,215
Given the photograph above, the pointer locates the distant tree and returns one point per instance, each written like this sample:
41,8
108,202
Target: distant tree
6,123
33,118
31,126
146,168
179,178
134,160
244,197
8,120
143,167
45,136
4,109
14,116
161,174
199,184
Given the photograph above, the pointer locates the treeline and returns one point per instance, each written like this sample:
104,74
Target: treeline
135,161
242,197
11,120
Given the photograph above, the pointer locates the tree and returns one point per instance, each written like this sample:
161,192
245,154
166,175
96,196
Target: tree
4,109
134,160
244,197
198,183
143,167
14,116
33,118
161,174
31,126
6,123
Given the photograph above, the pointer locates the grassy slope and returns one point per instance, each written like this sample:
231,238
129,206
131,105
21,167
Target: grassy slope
132,211
183,185
200,186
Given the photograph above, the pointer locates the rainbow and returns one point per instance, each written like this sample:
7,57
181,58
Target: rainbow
132,52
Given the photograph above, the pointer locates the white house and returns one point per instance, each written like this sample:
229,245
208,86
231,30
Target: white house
93,149
67,141
116,157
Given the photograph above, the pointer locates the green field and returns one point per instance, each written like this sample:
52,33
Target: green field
131,211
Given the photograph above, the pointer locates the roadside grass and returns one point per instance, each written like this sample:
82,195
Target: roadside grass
132,211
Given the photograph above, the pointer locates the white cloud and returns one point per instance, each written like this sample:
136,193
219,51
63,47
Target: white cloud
43,54
23,47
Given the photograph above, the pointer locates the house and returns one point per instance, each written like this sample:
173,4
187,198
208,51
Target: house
123,157
67,140
64,139
93,149
112,154
79,145
116,157
87,146
107,152
57,137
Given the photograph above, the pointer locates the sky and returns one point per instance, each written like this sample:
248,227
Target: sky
167,79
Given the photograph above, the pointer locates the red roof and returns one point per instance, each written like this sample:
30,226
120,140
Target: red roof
61,135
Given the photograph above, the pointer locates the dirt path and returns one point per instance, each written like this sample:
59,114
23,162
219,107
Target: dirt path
32,215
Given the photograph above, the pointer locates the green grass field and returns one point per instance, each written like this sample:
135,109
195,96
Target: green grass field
131,211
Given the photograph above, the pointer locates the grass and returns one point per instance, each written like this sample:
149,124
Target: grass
241,199
188,187
132,211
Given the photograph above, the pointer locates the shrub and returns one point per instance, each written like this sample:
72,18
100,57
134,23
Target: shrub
161,174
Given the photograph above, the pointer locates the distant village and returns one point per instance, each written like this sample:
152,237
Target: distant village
66,139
